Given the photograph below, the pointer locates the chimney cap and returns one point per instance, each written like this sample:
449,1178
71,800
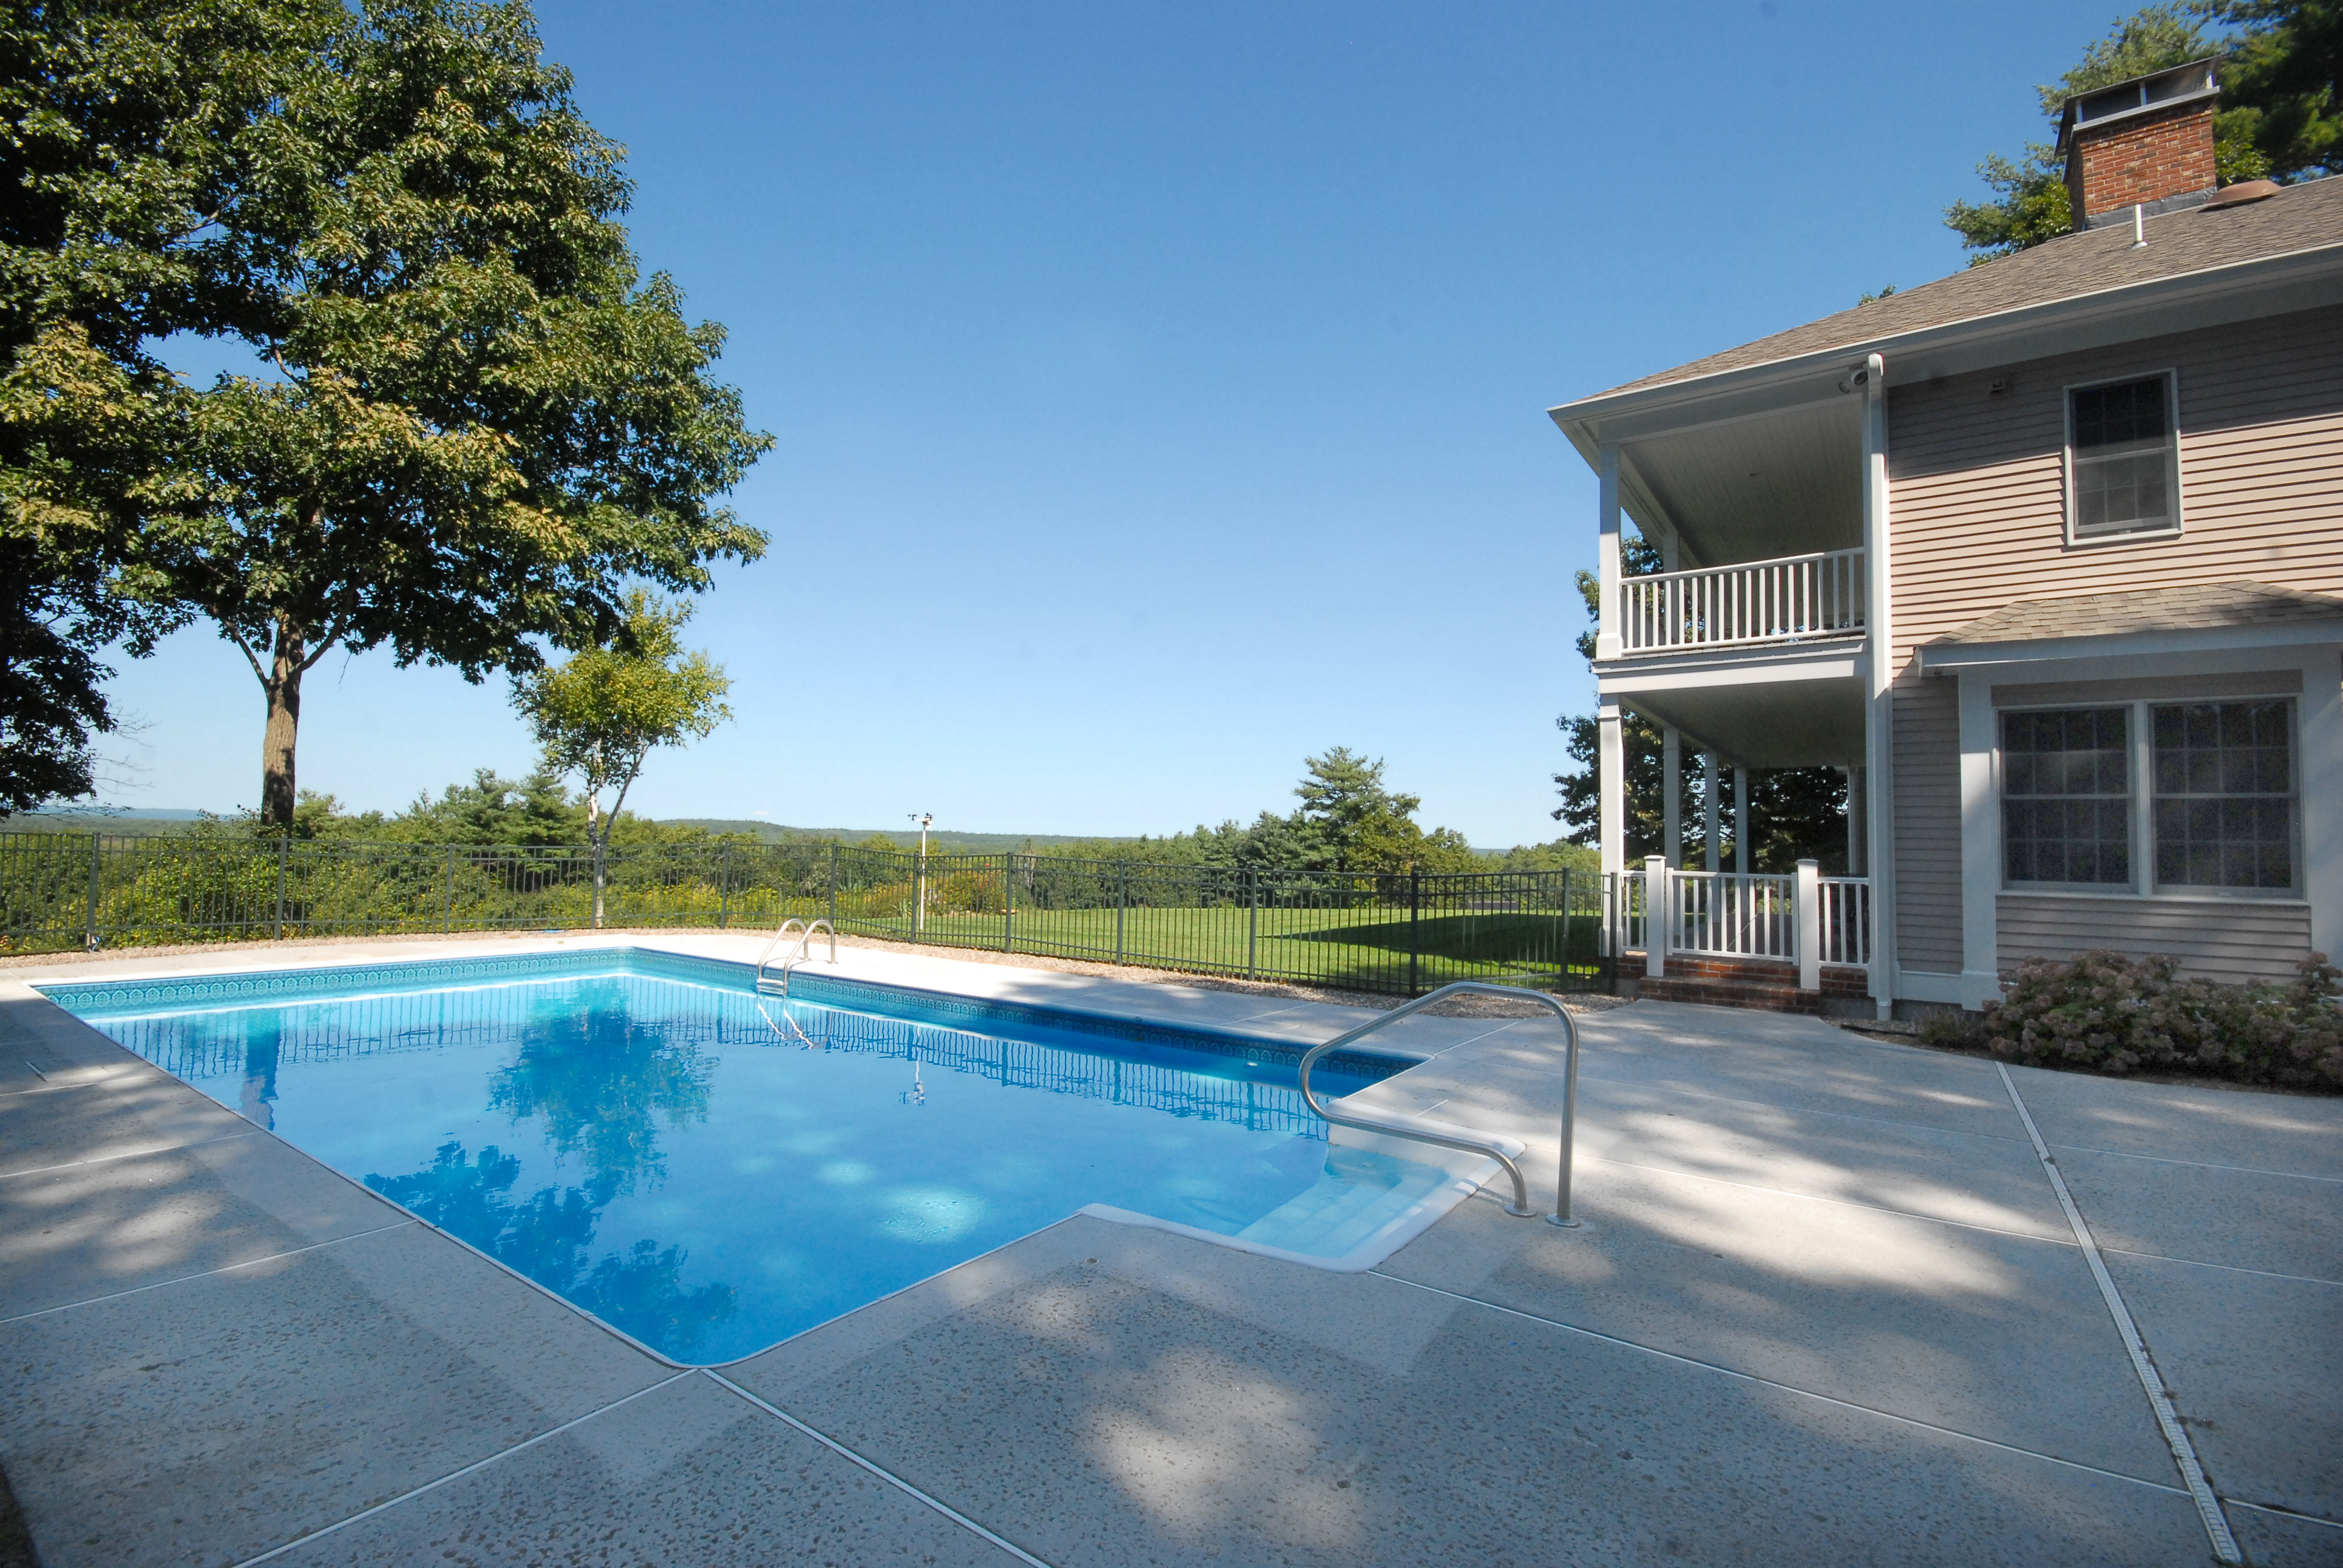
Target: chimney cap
2117,101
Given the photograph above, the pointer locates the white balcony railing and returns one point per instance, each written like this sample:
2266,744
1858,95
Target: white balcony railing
1805,919
1781,601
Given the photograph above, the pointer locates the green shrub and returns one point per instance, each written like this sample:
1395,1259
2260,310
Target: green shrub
2104,1013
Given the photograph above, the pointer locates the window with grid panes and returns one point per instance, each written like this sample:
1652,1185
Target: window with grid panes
2224,794
2065,796
2120,459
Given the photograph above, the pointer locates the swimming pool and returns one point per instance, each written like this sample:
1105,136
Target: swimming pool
711,1171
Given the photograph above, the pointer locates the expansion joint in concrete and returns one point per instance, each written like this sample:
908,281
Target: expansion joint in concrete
2184,1451
206,1273
1740,1376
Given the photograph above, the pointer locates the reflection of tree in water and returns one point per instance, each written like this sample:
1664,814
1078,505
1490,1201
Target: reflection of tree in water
548,1237
595,1075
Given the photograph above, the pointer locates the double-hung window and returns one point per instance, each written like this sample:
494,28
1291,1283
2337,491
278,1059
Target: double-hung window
2149,797
2123,460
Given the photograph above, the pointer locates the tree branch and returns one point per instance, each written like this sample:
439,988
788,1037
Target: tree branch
245,647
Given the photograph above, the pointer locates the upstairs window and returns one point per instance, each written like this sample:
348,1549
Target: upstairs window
2065,796
2123,460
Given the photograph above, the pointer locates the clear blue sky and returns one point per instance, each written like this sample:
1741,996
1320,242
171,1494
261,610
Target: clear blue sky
1160,388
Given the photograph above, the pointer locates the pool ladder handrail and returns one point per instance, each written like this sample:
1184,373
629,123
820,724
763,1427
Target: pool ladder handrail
1520,1207
797,954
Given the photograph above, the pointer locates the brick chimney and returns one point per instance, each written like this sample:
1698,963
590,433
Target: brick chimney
2146,143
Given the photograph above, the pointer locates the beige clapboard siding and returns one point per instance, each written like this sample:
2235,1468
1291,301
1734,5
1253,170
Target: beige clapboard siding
1977,504
1928,826
1977,510
2221,939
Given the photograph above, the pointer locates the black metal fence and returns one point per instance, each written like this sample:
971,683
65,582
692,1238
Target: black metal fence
1398,932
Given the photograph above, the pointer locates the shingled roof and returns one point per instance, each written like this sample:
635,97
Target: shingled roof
2298,218
2192,606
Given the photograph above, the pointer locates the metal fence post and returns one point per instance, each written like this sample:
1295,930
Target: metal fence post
447,890
284,851
833,887
1252,922
1008,902
89,927
1122,902
724,886
1414,932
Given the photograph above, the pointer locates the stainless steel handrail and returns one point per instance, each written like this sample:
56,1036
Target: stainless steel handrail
1520,1207
804,942
762,958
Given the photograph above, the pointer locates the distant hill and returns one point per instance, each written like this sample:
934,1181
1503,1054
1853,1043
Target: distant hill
939,839
141,822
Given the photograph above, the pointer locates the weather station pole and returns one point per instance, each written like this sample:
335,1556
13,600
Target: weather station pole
920,878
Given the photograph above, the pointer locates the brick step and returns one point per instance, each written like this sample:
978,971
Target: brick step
1838,980
1732,993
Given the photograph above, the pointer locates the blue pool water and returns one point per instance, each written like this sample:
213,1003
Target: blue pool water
712,1171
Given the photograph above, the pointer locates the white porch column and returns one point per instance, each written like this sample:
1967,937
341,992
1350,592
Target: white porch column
1980,845
1743,861
1859,838
1606,552
1879,713
1659,908
1715,850
1610,788
1672,807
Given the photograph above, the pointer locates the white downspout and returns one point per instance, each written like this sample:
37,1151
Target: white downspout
1879,716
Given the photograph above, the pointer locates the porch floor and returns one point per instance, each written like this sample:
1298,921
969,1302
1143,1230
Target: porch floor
1826,1307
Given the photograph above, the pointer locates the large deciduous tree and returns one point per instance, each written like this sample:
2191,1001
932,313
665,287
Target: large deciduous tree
117,122
471,422
478,421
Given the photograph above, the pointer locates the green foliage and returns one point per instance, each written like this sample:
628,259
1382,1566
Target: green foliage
2104,1013
2281,77
1559,855
470,421
2283,80
604,711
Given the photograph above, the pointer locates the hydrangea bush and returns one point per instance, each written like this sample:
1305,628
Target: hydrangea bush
2104,1013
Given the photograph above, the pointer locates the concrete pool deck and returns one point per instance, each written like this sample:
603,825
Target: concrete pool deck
1826,1306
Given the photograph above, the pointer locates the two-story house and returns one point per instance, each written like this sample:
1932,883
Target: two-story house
2047,553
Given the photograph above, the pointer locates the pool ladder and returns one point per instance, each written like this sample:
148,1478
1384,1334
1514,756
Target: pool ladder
1520,1207
797,954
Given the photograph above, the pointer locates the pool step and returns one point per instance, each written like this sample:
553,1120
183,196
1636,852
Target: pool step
1360,1194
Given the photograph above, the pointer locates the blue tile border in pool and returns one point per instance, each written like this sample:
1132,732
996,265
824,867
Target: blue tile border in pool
920,1005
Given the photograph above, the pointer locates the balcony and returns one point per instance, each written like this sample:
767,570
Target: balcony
1789,599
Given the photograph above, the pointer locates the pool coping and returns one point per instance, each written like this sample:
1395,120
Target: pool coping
1466,1174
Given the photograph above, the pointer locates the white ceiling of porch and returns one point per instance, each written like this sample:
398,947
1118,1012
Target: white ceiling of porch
1780,484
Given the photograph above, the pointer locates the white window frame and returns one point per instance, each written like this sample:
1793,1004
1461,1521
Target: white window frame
2001,797
2141,742
2170,374
2144,752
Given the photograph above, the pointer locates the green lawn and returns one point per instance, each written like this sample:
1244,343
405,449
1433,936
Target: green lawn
1361,947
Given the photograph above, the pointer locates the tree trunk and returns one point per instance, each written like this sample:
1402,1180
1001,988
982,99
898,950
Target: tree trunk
282,685
599,836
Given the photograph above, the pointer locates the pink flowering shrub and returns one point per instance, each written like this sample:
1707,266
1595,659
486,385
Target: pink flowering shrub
2103,1012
